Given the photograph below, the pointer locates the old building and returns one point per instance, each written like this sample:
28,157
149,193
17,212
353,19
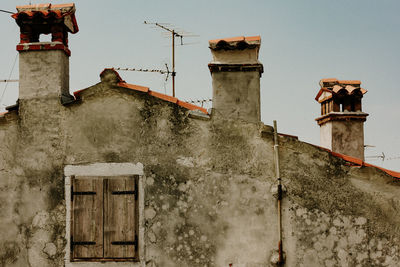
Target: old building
120,175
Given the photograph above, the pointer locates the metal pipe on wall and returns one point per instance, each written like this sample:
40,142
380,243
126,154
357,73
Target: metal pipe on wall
278,177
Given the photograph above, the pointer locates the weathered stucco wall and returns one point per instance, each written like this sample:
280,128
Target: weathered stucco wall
208,199
326,135
344,137
348,138
43,73
236,95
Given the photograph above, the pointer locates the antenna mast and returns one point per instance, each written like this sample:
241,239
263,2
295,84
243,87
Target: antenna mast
173,35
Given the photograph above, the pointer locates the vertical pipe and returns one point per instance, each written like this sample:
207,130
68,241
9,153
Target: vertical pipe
278,177
173,63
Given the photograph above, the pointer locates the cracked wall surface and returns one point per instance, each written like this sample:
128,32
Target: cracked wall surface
208,198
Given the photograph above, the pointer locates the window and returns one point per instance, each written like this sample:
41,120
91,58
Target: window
103,218
104,215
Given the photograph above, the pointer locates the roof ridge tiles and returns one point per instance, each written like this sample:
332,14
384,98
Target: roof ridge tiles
143,89
358,162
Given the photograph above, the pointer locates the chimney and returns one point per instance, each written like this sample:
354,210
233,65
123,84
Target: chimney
236,73
44,66
342,120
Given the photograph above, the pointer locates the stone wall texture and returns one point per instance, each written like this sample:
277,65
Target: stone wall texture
208,186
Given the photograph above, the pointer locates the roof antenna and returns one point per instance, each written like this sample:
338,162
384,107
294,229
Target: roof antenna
199,101
174,33
166,71
383,156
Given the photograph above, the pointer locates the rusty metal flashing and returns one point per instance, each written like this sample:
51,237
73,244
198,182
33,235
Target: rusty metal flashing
342,116
213,67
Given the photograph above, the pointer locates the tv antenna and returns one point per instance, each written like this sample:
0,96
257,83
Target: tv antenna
166,71
199,101
393,158
383,156
174,34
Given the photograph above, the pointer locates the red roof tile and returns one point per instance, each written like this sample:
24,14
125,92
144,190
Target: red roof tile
78,93
191,106
329,80
164,97
134,87
335,86
235,42
66,11
146,90
59,6
321,91
350,82
358,162
252,38
237,39
43,46
33,7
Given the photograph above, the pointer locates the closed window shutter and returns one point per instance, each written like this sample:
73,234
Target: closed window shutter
87,218
120,225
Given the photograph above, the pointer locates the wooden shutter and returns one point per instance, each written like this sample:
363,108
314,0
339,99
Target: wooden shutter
87,218
120,224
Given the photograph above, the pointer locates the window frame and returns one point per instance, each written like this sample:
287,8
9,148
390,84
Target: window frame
105,171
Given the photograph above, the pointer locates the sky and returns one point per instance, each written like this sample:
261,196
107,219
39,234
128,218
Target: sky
303,41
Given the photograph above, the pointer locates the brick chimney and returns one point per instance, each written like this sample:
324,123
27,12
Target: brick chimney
44,66
342,120
236,73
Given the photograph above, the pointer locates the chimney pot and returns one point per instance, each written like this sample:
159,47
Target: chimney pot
236,73
342,121
44,63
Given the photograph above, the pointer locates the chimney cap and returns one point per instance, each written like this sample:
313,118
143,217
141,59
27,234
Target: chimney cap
233,43
330,82
332,86
66,12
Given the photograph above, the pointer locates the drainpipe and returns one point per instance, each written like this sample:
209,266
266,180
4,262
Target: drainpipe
279,195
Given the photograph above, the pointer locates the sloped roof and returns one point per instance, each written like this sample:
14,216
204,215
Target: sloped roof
359,162
352,160
121,83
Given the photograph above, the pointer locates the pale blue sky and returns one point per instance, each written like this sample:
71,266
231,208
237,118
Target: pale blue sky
302,42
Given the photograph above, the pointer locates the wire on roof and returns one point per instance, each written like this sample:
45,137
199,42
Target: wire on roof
6,84
199,101
142,70
6,11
